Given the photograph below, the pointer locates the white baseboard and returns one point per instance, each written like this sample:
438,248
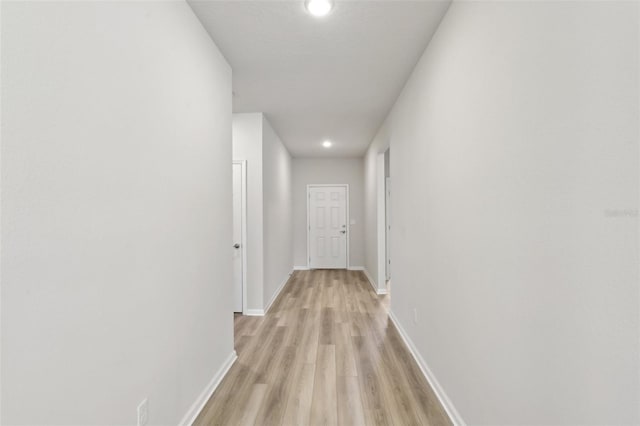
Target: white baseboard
204,396
378,291
371,281
300,268
277,292
385,290
356,268
261,312
426,371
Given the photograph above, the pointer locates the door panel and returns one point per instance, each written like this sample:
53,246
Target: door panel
328,230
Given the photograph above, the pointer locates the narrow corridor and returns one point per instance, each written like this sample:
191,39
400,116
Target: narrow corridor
325,353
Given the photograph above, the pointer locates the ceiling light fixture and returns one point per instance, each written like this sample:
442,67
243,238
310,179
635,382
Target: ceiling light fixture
327,144
319,7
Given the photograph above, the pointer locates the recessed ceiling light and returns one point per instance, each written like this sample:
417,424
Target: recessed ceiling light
319,7
327,144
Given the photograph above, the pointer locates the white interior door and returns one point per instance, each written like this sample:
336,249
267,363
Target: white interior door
238,251
328,230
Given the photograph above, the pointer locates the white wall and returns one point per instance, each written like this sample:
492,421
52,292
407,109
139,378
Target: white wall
278,232
515,197
116,184
269,204
247,145
328,171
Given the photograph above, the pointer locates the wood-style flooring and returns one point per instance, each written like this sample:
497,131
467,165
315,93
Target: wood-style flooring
326,353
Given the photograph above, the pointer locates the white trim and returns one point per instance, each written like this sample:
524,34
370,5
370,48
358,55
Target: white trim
204,396
378,291
301,268
387,227
262,312
371,281
243,209
381,219
348,227
446,403
277,292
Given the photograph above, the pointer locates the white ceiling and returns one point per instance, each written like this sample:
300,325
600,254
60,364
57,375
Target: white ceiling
334,77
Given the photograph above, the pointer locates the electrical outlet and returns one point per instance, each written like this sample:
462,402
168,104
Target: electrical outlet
415,316
143,412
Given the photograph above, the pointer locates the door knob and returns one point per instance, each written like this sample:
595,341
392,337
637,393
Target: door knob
343,232
236,245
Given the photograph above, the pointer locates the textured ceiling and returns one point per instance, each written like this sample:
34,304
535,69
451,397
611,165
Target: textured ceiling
334,77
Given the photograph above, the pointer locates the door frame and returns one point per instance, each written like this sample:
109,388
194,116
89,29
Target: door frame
387,228
381,224
243,227
348,228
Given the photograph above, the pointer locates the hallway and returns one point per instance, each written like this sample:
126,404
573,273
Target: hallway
325,353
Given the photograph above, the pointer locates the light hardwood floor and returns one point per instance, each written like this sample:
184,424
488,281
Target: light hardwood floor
325,353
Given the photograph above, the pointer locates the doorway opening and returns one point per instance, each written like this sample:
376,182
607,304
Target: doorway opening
239,180
384,228
387,216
